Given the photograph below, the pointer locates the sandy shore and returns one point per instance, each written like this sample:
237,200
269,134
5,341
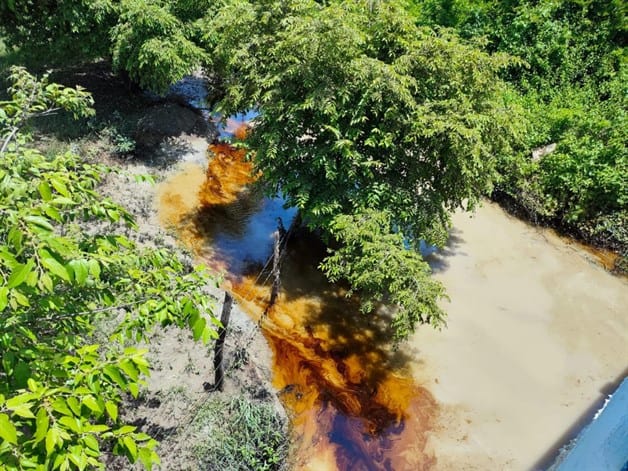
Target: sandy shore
537,337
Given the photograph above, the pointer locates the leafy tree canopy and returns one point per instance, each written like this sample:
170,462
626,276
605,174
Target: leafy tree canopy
366,117
150,40
574,91
563,42
362,112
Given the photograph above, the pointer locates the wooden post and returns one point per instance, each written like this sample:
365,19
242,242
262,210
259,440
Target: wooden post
281,237
282,231
274,292
218,348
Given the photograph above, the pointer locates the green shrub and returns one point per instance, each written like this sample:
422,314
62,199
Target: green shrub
60,391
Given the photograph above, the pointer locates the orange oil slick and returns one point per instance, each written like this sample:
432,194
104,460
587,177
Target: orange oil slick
353,404
226,177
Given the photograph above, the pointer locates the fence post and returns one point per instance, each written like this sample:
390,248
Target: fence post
274,292
218,348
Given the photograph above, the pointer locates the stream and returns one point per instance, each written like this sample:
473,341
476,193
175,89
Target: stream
536,331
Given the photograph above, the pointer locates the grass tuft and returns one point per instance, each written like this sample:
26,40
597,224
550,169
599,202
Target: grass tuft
240,435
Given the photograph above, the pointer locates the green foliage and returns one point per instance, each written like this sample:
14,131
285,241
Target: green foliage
381,267
585,177
150,44
562,41
150,40
359,108
31,97
573,90
62,269
121,144
363,112
240,435
56,31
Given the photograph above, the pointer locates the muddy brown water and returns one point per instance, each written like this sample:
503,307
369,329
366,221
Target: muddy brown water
355,403
537,338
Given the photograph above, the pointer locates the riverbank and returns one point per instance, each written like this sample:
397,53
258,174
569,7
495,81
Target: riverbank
605,243
178,406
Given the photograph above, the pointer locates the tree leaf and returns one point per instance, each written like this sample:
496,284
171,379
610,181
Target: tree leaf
125,429
39,221
41,424
15,238
92,404
98,428
24,411
46,282
129,368
51,263
19,400
198,328
4,297
45,191
145,455
51,440
114,373
53,213
60,186
131,446
94,268
21,299
74,405
32,385
7,257
80,269
112,410
62,200
60,405
91,442
19,274
72,423
134,389
7,430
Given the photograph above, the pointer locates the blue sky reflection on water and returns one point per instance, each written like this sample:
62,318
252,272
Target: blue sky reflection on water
254,243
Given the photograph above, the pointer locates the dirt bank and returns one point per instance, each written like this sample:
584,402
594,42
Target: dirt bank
177,395
537,337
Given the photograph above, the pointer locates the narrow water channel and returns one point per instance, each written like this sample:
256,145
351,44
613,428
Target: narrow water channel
352,400
535,332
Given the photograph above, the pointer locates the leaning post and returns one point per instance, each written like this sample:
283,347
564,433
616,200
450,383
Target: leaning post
220,342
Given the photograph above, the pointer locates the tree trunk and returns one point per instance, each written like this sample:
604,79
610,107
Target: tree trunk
222,334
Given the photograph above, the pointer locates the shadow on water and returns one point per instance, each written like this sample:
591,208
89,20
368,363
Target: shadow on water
439,259
336,367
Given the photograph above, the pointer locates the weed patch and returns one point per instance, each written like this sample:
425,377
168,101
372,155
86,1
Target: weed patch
240,434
